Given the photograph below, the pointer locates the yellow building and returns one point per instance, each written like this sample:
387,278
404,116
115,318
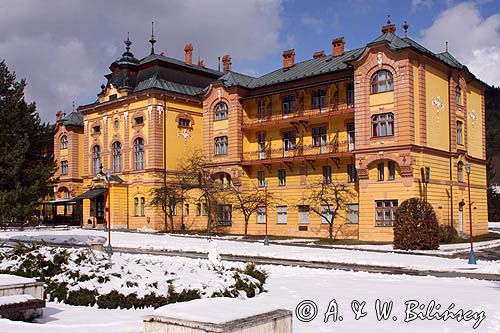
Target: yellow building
373,118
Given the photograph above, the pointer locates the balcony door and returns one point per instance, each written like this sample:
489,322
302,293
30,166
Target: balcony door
261,141
350,136
319,139
289,142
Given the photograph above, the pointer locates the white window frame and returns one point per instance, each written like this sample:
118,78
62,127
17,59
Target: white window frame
261,215
282,212
304,214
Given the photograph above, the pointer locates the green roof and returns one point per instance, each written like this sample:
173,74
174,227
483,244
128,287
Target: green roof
330,64
73,119
158,83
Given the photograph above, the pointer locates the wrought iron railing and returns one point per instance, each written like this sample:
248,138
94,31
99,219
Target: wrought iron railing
278,115
298,151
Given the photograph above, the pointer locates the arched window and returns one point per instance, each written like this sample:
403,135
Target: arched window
458,95
136,206
143,206
64,142
220,111
96,159
117,156
460,171
139,154
382,81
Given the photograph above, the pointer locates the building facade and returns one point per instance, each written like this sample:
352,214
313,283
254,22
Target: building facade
374,118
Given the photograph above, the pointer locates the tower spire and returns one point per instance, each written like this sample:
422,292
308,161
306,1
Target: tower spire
405,27
128,42
152,40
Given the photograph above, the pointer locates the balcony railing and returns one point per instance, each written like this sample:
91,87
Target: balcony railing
299,152
278,116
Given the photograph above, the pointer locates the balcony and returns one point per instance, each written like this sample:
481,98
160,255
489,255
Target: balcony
299,153
297,116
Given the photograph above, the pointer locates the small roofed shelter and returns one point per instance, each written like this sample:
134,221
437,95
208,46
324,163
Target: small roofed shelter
61,212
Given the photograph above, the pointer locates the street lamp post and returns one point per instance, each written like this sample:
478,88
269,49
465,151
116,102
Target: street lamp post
108,183
266,238
472,255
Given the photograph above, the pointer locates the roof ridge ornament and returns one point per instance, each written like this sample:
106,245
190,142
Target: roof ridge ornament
388,19
405,27
128,42
152,40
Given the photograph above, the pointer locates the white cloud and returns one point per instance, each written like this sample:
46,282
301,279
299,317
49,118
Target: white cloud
312,22
474,40
63,48
417,4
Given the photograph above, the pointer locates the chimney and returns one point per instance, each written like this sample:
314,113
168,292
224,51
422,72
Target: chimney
226,63
188,49
288,58
201,63
338,46
59,116
319,54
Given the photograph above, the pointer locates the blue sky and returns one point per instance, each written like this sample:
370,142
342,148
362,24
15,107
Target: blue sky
64,47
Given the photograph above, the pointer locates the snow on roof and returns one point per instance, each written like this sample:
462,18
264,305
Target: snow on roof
7,280
212,310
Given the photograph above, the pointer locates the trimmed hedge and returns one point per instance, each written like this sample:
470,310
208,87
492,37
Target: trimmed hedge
416,226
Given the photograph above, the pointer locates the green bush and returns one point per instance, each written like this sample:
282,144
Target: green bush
83,297
447,234
416,226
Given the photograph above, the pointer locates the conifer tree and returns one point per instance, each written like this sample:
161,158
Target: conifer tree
26,162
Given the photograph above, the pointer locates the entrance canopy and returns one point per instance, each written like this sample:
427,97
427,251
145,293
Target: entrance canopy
92,193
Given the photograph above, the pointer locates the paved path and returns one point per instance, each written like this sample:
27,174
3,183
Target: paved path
291,262
492,253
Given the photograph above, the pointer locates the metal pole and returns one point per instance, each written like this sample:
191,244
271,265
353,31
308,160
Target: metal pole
108,182
472,256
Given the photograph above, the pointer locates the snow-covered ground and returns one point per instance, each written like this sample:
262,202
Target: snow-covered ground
234,247
288,286
494,225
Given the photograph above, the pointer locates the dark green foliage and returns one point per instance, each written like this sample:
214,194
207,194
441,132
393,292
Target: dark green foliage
493,206
57,291
112,300
447,234
416,226
83,297
26,163
261,275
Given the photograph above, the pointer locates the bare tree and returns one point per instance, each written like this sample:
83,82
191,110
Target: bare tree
326,200
167,197
248,201
194,174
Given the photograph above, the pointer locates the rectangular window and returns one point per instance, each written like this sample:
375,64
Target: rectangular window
184,122
352,174
385,212
319,99
204,209
261,214
304,214
198,209
319,138
261,178
327,174
282,212
392,170
64,168
261,145
288,104
350,95
382,125
261,109
224,217
380,171
221,145
186,209
139,120
351,213
174,209
351,136
282,177
289,142
326,211
460,136
97,129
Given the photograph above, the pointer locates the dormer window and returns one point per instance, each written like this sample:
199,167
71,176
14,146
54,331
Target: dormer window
382,81
183,122
139,120
113,97
97,129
